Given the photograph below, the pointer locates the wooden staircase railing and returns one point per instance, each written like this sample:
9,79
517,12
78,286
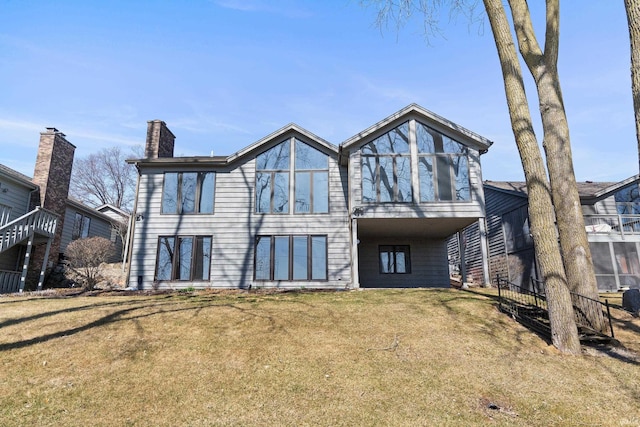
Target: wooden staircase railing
39,221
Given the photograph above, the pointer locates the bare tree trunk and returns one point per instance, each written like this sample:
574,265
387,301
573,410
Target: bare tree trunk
633,19
574,245
563,328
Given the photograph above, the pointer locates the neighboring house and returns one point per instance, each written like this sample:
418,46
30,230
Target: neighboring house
292,210
612,220
82,221
119,221
37,218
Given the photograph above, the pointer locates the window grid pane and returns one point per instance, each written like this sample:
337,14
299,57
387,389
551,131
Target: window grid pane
188,192
369,178
461,172
303,192
281,258
276,158
308,157
165,258
86,223
263,258
403,175
170,193
386,179
207,189
319,257
320,192
184,258
281,192
263,192
300,258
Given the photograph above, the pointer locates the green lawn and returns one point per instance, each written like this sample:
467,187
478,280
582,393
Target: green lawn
359,358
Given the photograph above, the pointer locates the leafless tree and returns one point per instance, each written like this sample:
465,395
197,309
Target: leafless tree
84,257
105,178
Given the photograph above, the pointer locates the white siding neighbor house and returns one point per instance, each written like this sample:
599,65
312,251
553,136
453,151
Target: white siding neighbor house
295,211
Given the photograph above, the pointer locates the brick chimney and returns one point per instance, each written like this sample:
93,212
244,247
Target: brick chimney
160,140
52,174
53,169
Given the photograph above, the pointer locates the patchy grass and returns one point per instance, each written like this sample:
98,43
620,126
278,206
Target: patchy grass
383,357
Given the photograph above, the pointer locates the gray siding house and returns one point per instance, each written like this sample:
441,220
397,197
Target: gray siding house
295,211
612,219
38,219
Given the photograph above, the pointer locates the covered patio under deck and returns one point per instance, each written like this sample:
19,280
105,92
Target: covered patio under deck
402,252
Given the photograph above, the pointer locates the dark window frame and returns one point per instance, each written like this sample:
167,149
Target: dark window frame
200,177
175,258
395,249
310,255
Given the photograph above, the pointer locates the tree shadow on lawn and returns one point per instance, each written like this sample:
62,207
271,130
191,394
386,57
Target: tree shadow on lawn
125,314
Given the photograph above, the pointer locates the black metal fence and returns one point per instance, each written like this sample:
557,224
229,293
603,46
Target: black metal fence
529,307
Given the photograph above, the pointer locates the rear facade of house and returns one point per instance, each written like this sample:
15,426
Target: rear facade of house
295,211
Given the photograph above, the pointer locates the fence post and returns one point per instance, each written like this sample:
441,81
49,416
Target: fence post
499,294
606,303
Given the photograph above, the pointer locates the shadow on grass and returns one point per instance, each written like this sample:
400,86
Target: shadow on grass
157,307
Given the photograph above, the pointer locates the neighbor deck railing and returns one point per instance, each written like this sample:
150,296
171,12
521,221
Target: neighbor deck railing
612,224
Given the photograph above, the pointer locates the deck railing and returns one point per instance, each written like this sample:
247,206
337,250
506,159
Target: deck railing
612,224
39,221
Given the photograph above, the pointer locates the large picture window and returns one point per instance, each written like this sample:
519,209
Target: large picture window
386,167
443,167
394,259
289,258
188,192
183,258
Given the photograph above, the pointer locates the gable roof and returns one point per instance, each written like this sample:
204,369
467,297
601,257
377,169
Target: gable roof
287,131
107,207
589,191
78,205
17,176
461,134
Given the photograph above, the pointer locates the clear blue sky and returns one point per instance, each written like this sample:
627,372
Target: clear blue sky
225,73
